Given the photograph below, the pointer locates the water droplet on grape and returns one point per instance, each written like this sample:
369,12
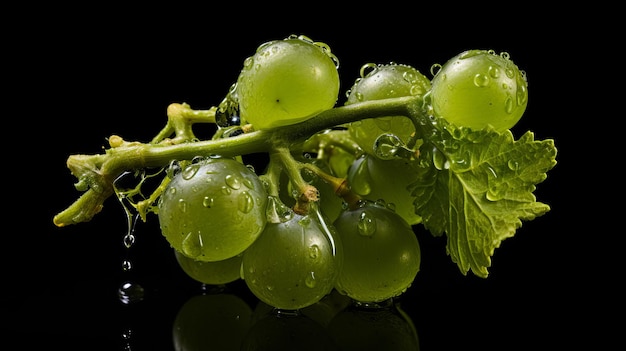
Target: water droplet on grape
481,80
509,104
366,224
190,171
310,280
494,72
182,205
246,203
192,245
314,251
208,201
226,190
232,181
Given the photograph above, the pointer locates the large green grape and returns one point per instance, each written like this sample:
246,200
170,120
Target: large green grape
214,272
376,179
294,263
213,209
384,82
287,81
381,253
477,88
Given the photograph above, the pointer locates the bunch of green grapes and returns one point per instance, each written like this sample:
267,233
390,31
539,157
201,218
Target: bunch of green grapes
224,223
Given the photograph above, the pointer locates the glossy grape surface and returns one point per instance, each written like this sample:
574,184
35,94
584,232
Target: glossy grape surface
381,253
477,88
293,264
287,81
213,273
376,179
384,82
213,210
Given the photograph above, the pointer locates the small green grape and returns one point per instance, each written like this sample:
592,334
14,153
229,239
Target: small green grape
294,263
213,273
213,209
287,81
383,82
381,253
477,88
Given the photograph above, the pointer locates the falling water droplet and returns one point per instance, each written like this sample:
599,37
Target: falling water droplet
130,292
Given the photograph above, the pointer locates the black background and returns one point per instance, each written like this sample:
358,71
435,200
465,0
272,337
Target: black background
79,77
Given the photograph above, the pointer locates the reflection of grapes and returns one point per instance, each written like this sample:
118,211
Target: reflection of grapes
213,273
213,209
218,321
287,331
376,328
381,253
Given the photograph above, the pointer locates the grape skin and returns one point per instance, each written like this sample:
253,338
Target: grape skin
287,81
213,273
381,253
384,82
477,88
213,210
293,264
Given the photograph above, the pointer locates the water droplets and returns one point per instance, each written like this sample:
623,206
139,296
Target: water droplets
367,224
192,244
130,292
310,280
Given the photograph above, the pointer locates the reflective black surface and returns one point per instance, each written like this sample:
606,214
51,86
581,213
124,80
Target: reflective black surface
60,285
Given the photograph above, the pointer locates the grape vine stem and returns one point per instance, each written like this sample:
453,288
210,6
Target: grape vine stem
96,173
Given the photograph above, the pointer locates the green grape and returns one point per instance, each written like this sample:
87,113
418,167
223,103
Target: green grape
381,253
477,88
376,179
213,209
213,273
294,263
287,81
211,321
384,82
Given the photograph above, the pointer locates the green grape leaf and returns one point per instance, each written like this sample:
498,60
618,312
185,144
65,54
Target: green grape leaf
480,189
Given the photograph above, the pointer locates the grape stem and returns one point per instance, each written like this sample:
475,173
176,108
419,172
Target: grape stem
96,173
